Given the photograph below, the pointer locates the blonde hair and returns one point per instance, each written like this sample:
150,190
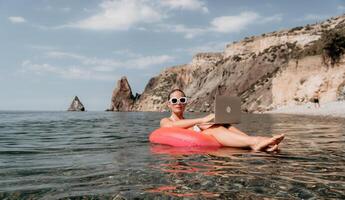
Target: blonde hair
175,90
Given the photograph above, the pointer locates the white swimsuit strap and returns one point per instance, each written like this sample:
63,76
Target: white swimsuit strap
172,119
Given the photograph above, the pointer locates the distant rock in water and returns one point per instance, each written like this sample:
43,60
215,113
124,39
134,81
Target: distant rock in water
122,98
76,105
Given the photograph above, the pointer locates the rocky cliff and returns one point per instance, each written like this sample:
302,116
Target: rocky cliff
266,71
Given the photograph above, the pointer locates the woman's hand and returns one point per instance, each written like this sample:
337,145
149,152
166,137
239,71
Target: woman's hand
205,126
208,118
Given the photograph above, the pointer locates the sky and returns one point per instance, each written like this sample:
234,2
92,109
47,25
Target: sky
53,50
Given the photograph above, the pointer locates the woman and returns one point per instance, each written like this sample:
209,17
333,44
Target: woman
225,135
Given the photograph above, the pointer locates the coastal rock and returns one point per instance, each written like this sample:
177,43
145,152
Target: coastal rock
204,59
297,84
122,97
76,105
267,71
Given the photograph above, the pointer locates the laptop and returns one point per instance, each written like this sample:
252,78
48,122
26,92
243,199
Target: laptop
227,110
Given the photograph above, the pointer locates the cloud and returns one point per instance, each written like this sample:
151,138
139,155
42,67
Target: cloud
17,19
235,23
274,18
126,14
188,32
42,47
315,17
135,62
49,8
119,15
71,72
194,5
126,53
88,68
147,61
222,24
61,54
207,47
66,9
341,7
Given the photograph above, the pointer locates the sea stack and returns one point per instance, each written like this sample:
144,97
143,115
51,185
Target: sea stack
122,98
76,105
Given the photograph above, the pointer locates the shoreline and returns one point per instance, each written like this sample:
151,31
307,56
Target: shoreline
329,109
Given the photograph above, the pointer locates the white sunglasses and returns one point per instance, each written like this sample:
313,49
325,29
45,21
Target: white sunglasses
174,100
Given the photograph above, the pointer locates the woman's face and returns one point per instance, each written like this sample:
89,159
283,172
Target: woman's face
177,108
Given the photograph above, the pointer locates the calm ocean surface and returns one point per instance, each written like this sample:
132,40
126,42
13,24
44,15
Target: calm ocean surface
101,155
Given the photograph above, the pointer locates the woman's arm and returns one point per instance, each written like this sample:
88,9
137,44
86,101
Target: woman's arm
185,123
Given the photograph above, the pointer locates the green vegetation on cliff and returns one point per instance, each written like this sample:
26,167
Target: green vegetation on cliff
331,45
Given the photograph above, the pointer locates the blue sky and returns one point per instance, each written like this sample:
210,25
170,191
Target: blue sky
53,50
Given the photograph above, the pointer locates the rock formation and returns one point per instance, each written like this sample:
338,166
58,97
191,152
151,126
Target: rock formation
76,105
266,71
122,98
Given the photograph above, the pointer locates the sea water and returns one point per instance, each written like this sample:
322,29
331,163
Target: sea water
106,155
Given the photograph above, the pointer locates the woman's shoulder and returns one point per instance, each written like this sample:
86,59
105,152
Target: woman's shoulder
164,120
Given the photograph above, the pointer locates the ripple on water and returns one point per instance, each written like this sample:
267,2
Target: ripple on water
100,155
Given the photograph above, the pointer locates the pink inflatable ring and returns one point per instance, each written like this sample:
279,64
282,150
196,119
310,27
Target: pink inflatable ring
180,137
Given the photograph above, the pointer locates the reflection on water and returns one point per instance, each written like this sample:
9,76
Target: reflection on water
97,155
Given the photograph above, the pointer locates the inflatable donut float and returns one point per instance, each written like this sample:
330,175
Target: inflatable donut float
180,137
